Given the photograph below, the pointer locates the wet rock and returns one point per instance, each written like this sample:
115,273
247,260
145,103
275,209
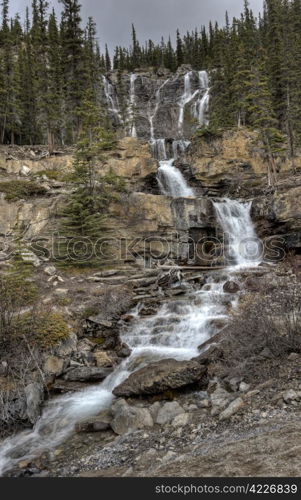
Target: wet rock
34,394
127,418
168,412
161,376
231,287
233,408
87,374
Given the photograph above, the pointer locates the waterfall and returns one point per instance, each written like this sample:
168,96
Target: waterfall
179,147
175,331
131,114
152,115
159,149
201,105
172,182
111,99
243,247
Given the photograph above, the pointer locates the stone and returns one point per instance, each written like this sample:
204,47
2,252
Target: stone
243,387
98,423
102,359
161,376
231,287
61,291
233,383
168,412
219,397
87,374
154,410
180,420
233,408
294,356
50,270
127,418
85,345
3,368
67,346
53,366
34,394
290,396
24,171
29,257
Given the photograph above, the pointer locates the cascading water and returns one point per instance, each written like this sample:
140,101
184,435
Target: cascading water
242,245
133,130
172,182
111,98
176,331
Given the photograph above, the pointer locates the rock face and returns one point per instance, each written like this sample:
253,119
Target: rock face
161,376
34,398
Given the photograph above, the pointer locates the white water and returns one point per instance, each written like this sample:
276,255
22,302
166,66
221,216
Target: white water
152,114
176,331
201,105
242,244
133,130
179,147
172,182
111,99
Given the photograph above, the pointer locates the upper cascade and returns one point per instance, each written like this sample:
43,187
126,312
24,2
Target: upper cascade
159,107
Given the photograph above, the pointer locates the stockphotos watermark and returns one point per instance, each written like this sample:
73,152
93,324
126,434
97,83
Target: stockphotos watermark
207,251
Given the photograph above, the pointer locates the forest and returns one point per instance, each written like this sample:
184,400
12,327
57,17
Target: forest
49,67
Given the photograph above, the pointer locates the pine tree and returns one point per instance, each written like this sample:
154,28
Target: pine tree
180,55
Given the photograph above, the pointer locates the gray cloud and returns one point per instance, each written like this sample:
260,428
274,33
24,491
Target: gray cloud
152,18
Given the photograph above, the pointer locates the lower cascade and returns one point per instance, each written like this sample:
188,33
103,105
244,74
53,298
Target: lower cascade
176,331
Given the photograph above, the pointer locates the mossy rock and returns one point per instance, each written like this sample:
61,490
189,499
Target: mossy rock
44,329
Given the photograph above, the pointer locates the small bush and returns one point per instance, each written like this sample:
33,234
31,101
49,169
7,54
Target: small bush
18,190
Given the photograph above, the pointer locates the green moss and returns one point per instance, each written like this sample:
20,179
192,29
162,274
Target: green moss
17,190
90,311
43,329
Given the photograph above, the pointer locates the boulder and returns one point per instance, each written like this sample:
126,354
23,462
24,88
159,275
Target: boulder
127,418
102,360
231,287
53,366
169,412
233,408
34,394
290,395
87,374
181,420
161,376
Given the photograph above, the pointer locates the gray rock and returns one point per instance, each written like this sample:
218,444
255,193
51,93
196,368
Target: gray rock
243,387
127,418
87,374
161,376
50,270
290,396
233,408
168,412
180,420
34,394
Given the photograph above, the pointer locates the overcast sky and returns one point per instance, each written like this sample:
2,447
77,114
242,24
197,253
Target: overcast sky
152,18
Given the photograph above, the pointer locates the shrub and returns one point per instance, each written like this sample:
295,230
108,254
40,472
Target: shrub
270,323
17,190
